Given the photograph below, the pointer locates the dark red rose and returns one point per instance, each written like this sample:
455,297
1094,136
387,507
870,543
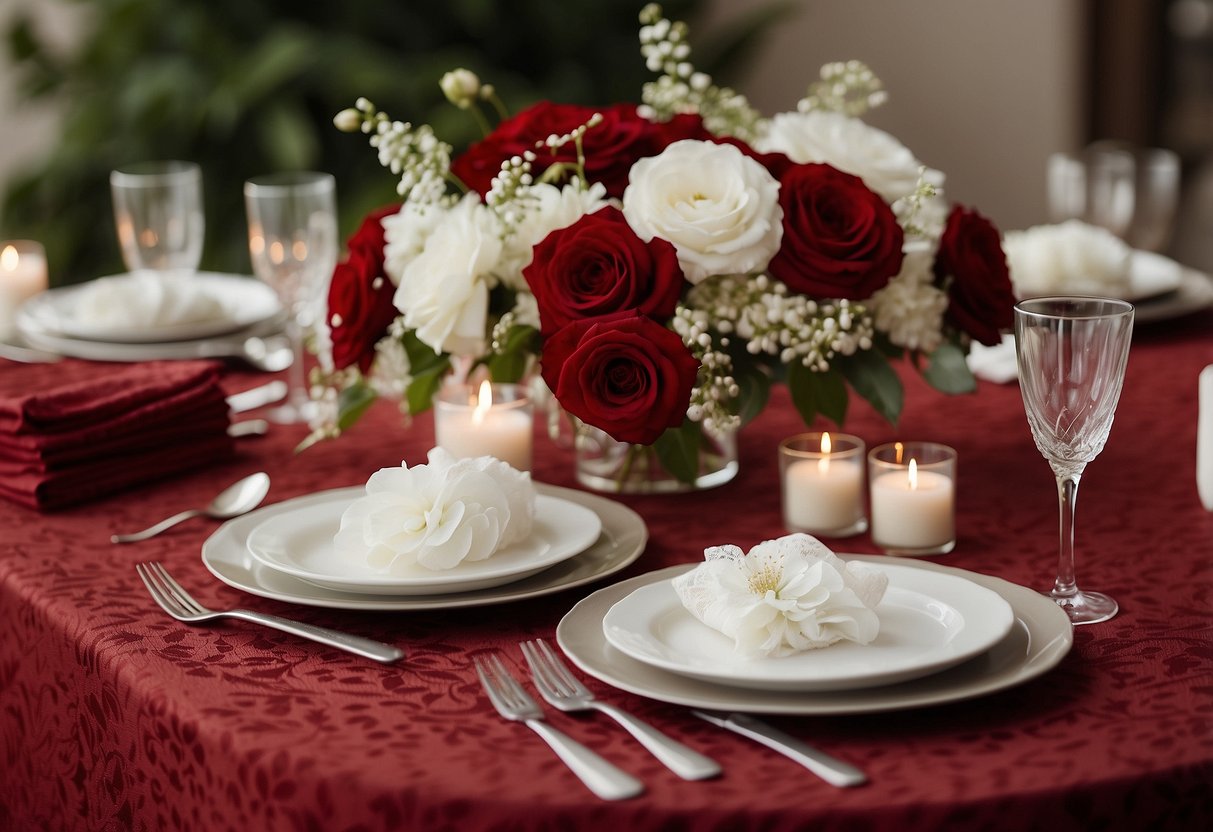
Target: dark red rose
611,147
623,373
840,239
360,304
980,298
597,266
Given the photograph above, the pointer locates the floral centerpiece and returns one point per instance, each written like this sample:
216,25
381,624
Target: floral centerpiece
661,264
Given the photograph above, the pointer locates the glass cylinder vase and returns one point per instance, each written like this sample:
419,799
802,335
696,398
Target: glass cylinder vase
608,465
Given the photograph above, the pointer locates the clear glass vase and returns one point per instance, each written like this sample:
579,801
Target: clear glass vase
607,465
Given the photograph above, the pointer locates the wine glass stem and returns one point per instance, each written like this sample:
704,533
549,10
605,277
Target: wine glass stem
1067,496
297,387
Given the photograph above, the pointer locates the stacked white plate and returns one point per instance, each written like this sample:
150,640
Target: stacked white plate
945,635
285,551
59,320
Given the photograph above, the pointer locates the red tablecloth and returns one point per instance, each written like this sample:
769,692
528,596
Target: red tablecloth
114,716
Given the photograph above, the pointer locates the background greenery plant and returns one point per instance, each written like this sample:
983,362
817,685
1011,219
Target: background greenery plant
250,87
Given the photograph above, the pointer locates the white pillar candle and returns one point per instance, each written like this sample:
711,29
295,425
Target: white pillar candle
913,510
496,424
823,484
23,274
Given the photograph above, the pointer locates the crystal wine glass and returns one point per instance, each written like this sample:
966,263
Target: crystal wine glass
1072,353
292,221
158,215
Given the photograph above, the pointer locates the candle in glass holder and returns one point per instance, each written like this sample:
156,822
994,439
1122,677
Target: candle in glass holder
496,422
913,498
823,484
22,275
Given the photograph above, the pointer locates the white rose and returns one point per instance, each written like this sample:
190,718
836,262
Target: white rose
437,515
554,208
718,207
785,596
405,234
1072,257
444,290
884,164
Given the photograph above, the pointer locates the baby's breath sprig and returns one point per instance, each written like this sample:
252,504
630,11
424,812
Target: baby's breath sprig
415,154
510,196
715,388
555,142
681,89
908,208
848,87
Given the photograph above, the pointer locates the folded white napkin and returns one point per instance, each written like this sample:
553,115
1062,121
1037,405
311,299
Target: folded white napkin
437,515
784,597
998,363
1071,258
1204,439
141,300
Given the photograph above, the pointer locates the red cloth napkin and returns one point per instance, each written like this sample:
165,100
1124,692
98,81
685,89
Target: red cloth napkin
81,430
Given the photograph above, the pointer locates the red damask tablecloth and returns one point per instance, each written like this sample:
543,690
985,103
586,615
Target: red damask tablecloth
114,717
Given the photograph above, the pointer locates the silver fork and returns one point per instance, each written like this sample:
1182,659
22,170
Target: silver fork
178,603
563,691
512,702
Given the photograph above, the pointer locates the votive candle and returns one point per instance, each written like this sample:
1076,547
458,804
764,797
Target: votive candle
492,420
822,476
23,274
913,496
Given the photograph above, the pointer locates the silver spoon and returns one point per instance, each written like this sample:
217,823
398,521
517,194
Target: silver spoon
239,497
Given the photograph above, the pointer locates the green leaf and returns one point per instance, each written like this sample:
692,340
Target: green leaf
813,393
948,372
678,450
871,377
427,368
352,402
511,362
755,390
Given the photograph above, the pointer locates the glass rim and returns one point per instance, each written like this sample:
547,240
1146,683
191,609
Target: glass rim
946,454
1113,308
144,174
289,183
854,445
465,396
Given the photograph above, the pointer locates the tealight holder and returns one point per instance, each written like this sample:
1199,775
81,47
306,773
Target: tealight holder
489,420
822,479
23,274
912,486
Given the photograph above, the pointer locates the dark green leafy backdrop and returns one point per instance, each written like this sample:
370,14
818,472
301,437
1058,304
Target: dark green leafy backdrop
246,88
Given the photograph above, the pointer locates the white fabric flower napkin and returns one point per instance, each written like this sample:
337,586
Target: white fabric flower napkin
437,515
1071,258
786,596
141,300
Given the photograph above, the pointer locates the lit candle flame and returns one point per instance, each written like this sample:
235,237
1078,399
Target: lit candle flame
485,402
9,259
898,448
823,464
913,475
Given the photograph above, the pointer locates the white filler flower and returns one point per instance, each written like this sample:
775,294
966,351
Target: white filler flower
437,515
718,207
784,597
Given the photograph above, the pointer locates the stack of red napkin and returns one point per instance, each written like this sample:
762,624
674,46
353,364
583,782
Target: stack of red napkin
77,430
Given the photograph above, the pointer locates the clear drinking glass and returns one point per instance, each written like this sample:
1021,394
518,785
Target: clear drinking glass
1072,353
1095,185
1157,199
158,215
292,221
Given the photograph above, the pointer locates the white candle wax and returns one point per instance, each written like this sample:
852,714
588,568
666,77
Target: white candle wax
502,432
22,275
906,517
822,495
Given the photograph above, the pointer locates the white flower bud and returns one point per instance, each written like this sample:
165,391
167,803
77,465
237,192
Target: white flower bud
460,86
348,120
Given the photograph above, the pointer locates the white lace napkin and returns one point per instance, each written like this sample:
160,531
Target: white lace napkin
1069,258
437,515
142,300
785,596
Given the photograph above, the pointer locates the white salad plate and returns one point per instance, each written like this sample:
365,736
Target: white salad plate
1189,290
1040,637
621,541
299,542
927,622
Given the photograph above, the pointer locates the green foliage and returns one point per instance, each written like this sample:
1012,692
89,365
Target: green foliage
814,393
677,450
872,377
352,402
427,368
511,362
245,88
948,372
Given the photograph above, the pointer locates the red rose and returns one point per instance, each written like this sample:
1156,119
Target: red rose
980,298
840,239
597,266
623,373
611,147
360,304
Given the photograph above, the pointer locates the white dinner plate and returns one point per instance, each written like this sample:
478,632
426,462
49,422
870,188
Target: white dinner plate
242,301
225,553
1040,637
299,542
927,622
1151,275
1193,293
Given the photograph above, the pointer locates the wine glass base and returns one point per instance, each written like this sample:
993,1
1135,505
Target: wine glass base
1086,607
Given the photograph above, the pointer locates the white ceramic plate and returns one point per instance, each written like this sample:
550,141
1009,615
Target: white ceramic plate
225,553
1040,637
1193,293
927,622
1151,275
244,301
299,542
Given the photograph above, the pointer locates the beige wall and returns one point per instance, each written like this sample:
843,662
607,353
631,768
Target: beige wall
983,90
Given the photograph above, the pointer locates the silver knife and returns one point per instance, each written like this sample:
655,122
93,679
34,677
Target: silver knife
832,770
255,397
